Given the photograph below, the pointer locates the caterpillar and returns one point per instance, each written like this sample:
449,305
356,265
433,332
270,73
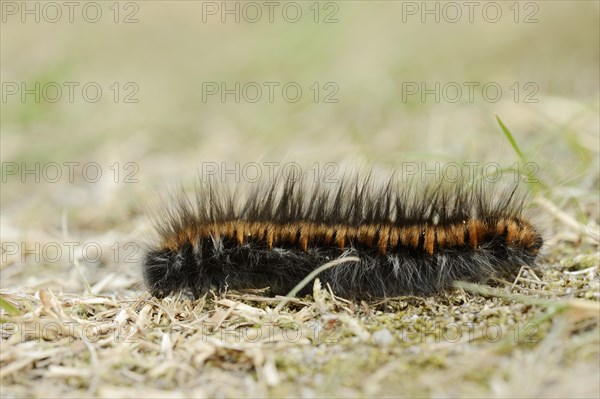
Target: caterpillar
410,239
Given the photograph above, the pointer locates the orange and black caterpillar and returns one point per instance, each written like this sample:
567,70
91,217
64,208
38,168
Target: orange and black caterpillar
410,239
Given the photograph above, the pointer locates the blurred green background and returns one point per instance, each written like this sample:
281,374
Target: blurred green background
363,53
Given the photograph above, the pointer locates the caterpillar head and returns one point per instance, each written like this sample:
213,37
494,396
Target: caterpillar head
168,271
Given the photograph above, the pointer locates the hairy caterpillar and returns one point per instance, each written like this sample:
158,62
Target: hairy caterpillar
410,239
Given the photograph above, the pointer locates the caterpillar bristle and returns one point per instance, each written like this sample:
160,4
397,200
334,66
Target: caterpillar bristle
411,239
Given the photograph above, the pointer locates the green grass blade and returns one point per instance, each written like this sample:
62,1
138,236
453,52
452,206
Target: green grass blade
510,138
8,307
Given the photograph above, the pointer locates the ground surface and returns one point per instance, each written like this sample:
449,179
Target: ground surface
76,320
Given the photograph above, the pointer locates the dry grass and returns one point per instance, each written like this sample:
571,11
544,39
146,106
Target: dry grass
536,336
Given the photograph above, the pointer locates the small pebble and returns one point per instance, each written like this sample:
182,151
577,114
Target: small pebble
383,337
